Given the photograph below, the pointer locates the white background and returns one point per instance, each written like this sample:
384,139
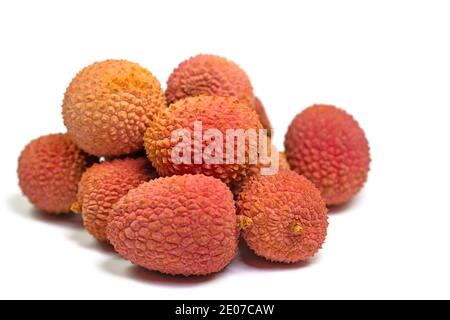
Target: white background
385,62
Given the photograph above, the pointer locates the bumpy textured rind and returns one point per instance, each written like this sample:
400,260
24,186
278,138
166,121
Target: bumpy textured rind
182,225
102,185
283,216
261,111
219,113
208,75
108,106
49,170
326,145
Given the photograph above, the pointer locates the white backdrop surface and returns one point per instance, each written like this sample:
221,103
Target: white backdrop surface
385,62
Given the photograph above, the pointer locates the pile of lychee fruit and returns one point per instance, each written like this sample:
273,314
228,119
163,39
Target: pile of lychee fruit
114,166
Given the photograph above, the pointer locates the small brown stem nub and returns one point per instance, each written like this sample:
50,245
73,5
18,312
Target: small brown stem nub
296,228
75,207
244,222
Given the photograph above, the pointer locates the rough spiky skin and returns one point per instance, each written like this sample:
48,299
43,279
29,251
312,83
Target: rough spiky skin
49,170
102,185
208,75
219,113
108,106
261,111
283,216
327,146
178,225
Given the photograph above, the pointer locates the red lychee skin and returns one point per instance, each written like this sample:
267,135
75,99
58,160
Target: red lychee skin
49,170
207,74
180,225
327,146
102,185
219,113
261,111
283,216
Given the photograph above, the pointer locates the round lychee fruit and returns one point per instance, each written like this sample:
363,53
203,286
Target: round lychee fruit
108,106
103,184
283,216
49,170
327,146
174,148
207,74
180,225
261,111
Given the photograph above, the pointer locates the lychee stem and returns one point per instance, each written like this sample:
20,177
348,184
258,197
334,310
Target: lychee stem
296,228
244,222
75,207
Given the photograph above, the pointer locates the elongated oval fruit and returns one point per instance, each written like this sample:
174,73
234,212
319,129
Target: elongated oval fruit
283,216
49,170
207,74
108,106
173,132
176,225
103,184
327,146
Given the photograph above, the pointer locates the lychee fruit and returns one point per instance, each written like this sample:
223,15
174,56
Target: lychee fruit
180,225
283,216
108,106
49,170
207,74
327,146
102,185
206,154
